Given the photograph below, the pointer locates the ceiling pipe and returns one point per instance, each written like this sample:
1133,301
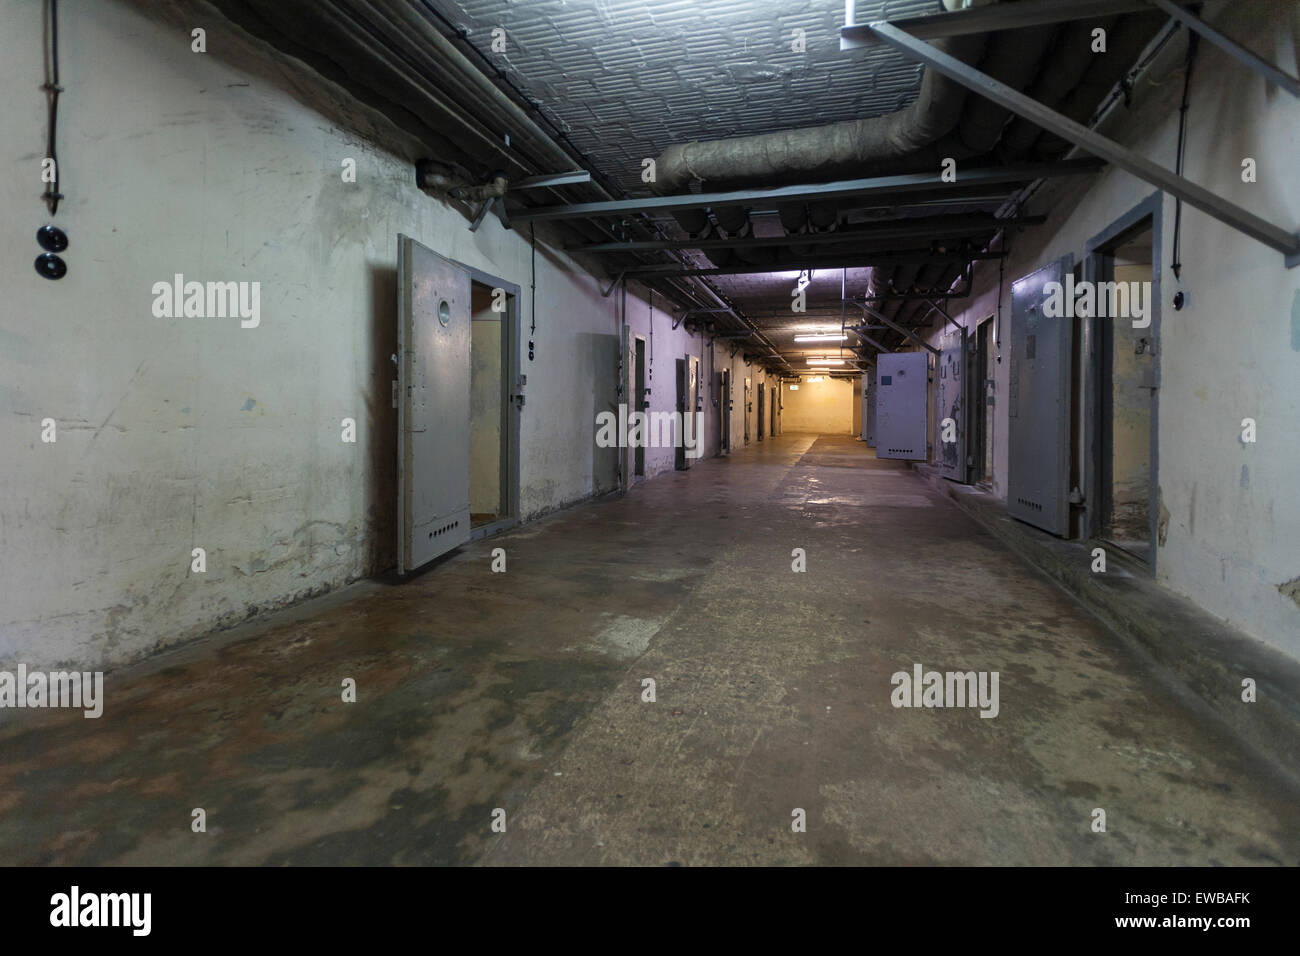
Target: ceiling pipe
826,151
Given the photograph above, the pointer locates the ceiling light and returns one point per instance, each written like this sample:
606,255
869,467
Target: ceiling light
822,337
826,361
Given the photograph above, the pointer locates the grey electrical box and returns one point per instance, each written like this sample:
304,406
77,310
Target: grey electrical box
901,405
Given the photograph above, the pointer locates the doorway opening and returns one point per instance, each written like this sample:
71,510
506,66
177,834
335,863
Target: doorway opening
493,437
1127,371
982,432
771,421
641,403
760,411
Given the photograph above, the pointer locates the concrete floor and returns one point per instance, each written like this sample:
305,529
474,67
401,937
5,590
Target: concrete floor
522,691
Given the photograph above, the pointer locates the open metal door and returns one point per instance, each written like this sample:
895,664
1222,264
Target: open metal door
433,419
901,405
688,405
950,404
693,424
1038,405
747,407
626,365
869,418
680,461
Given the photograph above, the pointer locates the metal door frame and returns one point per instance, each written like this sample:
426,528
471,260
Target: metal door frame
640,403
512,388
1097,403
979,396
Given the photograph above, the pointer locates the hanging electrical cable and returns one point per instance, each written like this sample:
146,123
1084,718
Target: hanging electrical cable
1193,40
651,299
997,323
50,237
532,330
52,91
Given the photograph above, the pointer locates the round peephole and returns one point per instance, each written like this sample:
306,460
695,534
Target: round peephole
52,238
444,312
51,266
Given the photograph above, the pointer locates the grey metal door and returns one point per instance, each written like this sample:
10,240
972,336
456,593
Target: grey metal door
950,408
724,413
1038,405
433,421
901,405
761,396
869,419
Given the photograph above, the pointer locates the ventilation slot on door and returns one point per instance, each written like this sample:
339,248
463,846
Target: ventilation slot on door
444,529
899,451
1032,505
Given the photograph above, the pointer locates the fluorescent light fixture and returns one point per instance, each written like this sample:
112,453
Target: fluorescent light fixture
795,388
822,337
826,361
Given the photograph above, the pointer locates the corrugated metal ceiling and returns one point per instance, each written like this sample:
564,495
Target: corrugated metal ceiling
626,79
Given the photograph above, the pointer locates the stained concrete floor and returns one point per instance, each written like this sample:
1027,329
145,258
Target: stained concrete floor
523,691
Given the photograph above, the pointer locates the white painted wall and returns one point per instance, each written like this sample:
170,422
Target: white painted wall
1234,351
183,433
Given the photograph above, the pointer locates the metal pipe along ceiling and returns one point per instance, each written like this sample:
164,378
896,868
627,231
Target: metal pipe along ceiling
825,152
